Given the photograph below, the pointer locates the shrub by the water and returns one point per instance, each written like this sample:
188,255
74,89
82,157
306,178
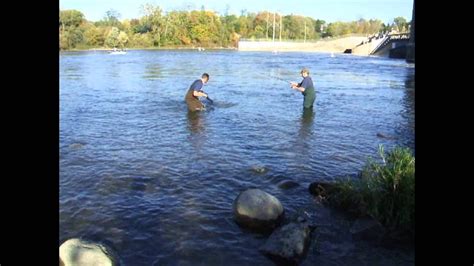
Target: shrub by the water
385,190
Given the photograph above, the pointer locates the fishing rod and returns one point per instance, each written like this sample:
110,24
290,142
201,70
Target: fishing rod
287,81
207,97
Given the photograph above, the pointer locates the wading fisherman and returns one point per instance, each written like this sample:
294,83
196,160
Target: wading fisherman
306,87
195,91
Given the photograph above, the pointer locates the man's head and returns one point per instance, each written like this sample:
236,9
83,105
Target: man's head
304,72
205,78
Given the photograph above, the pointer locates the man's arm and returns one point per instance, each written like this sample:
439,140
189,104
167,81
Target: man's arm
199,94
297,86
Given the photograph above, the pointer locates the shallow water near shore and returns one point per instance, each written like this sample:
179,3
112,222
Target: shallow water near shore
156,183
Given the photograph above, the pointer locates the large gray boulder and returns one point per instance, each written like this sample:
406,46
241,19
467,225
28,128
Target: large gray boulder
256,209
288,244
78,252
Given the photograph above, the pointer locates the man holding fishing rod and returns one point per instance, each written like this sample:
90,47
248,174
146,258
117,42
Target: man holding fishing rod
195,91
306,87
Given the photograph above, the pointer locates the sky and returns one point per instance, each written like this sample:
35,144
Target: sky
327,10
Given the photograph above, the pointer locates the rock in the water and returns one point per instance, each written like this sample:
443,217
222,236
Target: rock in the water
259,169
76,146
288,244
256,209
287,184
383,136
367,228
79,252
320,189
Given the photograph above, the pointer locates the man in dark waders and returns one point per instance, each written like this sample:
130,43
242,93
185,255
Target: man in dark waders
196,91
307,89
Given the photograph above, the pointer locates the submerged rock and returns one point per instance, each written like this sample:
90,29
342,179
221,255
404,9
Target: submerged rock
256,209
287,184
367,228
380,135
320,189
288,244
259,169
79,252
76,146
330,193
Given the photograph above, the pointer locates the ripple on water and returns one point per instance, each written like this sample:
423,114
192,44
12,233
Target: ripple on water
157,184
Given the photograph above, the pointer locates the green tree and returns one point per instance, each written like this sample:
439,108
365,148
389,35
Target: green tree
112,38
93,36
139,26
141,40
176,28
111,19
205,27
375,26
400,23
153,22
385,27
70,33
241,26
70,18
200,27
122,39
319,25
262,23
294,27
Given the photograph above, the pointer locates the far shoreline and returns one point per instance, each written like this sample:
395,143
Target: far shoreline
329,46
330,53
191,48
149,48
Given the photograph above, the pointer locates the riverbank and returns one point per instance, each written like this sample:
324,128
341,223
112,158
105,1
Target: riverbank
384,191
152,48
327,45
335,45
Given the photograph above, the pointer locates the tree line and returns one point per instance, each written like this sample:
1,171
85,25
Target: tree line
157,28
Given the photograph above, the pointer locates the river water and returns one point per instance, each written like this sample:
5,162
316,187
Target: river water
156,183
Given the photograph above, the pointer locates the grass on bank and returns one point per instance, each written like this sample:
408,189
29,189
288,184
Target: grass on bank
385,191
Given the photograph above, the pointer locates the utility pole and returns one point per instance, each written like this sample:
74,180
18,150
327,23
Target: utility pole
268,14
273,26
280,26
305,30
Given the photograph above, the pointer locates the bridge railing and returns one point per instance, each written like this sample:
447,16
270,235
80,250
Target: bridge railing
382,44
400,36
390,37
